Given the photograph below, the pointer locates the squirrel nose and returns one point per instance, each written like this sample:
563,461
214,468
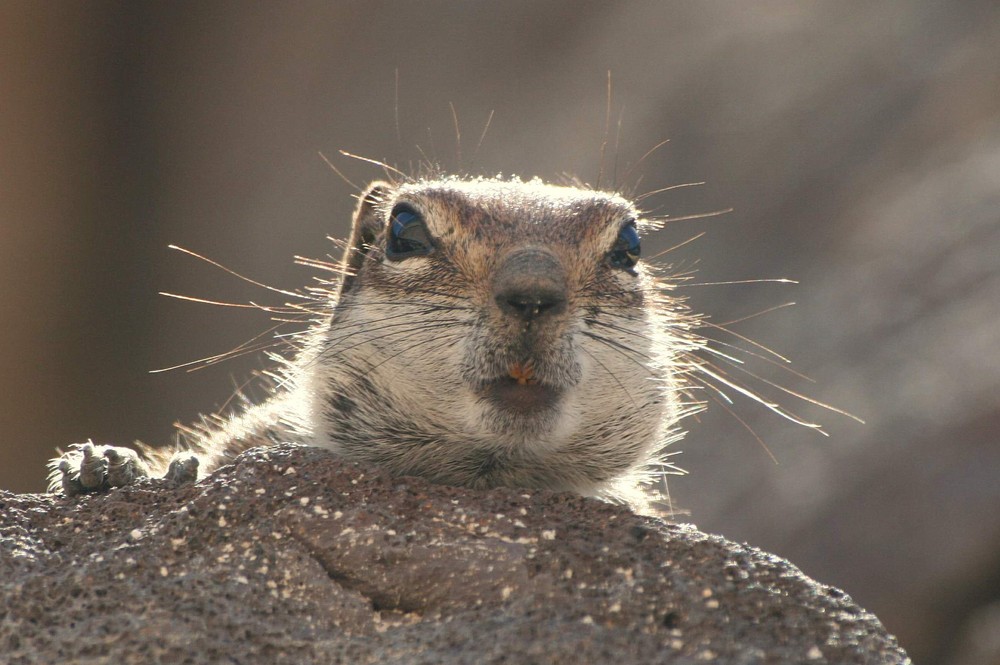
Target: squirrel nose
530,284
531,304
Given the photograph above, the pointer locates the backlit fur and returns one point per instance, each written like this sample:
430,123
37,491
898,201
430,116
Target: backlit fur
390,374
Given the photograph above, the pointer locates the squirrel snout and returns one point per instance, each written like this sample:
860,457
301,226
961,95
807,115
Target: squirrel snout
530,284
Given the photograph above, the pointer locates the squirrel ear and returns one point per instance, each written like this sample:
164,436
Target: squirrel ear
365,228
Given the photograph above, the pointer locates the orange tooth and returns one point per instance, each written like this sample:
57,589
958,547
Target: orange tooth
524,373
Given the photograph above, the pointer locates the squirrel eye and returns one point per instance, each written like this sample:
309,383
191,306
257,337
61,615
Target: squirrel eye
407,235
625,253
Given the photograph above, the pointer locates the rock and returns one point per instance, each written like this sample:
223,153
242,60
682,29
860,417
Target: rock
290,555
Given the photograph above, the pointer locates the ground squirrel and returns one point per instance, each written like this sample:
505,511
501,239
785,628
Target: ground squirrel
482,332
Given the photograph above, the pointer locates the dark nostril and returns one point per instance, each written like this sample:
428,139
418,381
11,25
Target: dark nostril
530,283
528,305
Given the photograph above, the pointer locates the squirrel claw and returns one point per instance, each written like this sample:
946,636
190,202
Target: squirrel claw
87,468
183,468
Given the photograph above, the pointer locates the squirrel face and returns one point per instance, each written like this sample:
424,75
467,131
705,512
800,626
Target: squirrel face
499,323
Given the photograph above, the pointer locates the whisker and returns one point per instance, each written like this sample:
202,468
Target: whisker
747,427
644,158
802,397
612,375
407,328
292,294
746,339
625,331
604,139
220,303
772,406
774,280
337,171
641,197
755,314
709,347
421,305
423,155
442,341
621,349
702,215
458,134
208,361
676,247
482,137
363,327
618,139
376,162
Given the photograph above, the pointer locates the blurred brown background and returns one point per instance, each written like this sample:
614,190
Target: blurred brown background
858,142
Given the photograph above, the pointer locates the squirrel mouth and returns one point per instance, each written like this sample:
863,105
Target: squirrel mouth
520,391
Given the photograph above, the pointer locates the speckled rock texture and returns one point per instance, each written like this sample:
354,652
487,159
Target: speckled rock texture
290,555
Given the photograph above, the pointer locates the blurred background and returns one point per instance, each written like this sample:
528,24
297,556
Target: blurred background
858,143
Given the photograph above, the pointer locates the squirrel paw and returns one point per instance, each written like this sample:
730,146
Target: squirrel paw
183,468
90,469
87,468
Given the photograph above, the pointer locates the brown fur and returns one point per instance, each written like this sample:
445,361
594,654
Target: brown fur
409,367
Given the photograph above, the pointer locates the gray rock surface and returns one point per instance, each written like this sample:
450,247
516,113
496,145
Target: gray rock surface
292,556
859,143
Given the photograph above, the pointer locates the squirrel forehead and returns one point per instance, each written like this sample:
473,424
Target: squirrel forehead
482,207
